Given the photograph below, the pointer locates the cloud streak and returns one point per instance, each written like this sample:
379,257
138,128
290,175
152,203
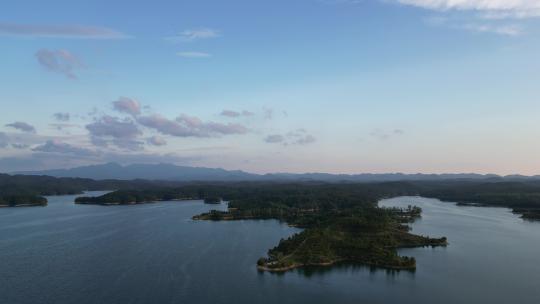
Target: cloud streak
479,16
22,126
193,54
61,116
194,34
505,29
59,61
189,126
501,8
56,146
297,137
234,114
60,31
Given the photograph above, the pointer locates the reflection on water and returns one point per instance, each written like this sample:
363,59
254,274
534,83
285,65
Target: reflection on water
320,271
155,253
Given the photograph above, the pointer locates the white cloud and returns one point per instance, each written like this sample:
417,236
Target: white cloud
477,26
500,8
194,34
193,54
507,30
479,16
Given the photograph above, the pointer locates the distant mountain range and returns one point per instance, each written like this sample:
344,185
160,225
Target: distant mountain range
185,173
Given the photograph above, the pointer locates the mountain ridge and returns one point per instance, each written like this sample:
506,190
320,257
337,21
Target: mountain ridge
173,172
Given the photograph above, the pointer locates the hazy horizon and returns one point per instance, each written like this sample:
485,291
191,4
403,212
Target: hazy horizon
275,172
331,86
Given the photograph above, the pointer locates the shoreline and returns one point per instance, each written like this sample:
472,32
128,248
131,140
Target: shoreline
24,205
332,263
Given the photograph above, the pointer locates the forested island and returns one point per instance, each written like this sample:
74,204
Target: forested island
22,200
341,222
522,197
29,190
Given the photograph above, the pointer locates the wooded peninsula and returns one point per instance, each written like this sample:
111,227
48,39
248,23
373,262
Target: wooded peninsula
341,222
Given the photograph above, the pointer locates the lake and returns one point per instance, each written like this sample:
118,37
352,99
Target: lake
155,253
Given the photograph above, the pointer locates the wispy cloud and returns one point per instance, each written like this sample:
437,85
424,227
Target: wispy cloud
296,137
63,126
499,8
127,105
60,31
56,146
190,126
501,17
477,25
268,113
193,54
23,126
59,61
61,116
234,114
384,135
505,29
194,34
274,138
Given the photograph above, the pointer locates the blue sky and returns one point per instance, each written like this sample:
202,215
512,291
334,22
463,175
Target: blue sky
272,86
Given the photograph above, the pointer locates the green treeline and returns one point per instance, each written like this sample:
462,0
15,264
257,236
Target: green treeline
523,197
16,190
341,222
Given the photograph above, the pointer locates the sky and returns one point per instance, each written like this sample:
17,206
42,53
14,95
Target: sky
338,86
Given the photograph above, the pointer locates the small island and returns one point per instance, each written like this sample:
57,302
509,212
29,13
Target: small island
134,197
22,201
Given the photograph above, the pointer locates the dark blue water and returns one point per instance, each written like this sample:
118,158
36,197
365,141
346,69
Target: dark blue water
154,253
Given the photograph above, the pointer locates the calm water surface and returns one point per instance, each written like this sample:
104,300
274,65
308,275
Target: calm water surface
154,253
